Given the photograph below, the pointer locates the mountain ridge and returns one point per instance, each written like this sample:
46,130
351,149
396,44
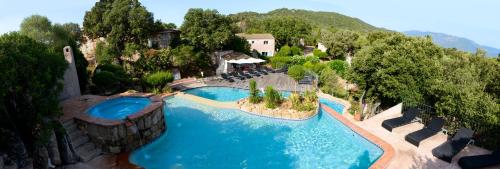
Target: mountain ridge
451,41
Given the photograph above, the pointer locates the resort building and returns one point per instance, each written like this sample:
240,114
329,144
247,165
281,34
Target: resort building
322,47
164,38
262,43
229,61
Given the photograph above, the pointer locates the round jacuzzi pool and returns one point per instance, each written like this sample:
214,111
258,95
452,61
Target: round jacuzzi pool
119,108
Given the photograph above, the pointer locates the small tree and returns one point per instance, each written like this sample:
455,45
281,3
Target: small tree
272,97
295,50
254,92
320,54
284,51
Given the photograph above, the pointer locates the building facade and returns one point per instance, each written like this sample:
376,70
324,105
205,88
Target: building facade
164,38
262,43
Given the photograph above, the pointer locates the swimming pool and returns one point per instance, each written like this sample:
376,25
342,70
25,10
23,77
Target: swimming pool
118,108
201,136
332,104
223,94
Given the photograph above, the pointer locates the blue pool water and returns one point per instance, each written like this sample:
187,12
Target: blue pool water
332,104
205,137
119,108
223,94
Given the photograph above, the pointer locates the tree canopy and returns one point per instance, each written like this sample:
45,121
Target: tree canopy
120,22
207,30
341,43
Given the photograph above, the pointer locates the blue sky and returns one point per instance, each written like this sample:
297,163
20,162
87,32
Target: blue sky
477,20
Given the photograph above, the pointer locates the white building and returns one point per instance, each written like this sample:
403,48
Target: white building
262,43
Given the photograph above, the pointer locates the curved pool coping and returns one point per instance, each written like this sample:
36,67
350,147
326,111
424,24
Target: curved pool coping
156,102
388,151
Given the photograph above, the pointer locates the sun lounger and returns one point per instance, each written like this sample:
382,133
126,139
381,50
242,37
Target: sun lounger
236,75
253,73
432,129
244,74
269,70
408,117
306,80
450,148
226,77
480,161
262,71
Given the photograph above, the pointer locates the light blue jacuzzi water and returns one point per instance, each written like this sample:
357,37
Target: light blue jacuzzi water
205,137
223,94
332,104
118,108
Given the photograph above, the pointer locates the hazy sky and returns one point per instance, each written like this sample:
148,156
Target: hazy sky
477,20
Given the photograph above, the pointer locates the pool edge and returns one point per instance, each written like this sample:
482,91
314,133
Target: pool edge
389,152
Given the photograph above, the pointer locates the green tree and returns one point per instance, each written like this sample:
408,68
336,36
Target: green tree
341,44
104,54
320,54
272,97
57,36
30,84
254,92
207,29
286,30
238,44
396,69
120,22
169,26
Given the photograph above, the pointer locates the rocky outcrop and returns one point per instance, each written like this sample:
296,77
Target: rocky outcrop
88,49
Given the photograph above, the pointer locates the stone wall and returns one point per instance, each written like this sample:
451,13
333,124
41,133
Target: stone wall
138,129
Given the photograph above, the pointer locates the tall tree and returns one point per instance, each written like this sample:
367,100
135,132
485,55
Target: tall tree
120,22
341,44
286,30
57,36
207,29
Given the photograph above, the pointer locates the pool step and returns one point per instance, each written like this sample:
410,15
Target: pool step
84,148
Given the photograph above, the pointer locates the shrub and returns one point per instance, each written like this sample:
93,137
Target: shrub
272,97
280,62
297,72
318,67
104,53
320,54
159,79
296,100
339,66
105,81
284,51
295,50
328,81
254,92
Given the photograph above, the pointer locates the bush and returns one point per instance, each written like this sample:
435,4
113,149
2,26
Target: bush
306,102
272,97
339,66
297,72
254,92
328,81
296,100
320,54
159,79
105,81
104,53
295,50
284,51
280,62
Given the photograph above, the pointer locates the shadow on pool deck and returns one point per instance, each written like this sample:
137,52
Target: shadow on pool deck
207,133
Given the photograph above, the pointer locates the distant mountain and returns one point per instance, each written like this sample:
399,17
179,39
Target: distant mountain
450,41
316,18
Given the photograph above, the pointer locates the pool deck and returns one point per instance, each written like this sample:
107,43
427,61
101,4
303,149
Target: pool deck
407,155
279,81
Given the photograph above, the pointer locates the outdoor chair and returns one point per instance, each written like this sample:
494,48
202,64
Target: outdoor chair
253,73
407,118
244,74
450,148
262,71
430,130
269,70
236,75
306,80
226,77
480,161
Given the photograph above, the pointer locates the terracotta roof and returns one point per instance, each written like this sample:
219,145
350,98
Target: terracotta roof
256,36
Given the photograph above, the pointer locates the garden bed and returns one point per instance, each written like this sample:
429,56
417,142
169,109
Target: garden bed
284,111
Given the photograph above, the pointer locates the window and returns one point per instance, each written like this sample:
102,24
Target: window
253,42
264,53
266,42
